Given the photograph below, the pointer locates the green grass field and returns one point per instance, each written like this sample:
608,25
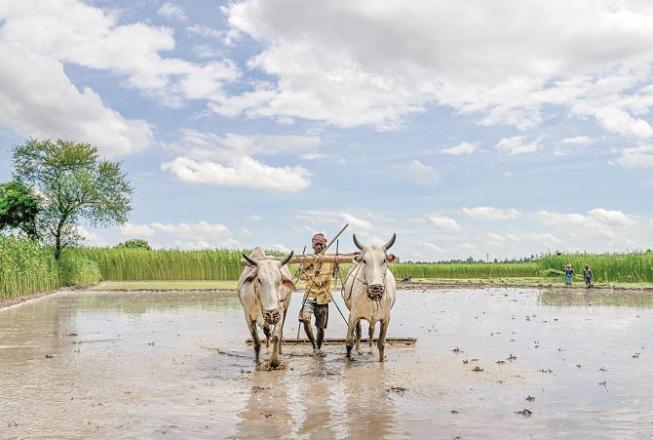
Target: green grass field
27,268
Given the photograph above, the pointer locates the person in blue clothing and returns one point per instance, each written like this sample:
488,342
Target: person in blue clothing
569,274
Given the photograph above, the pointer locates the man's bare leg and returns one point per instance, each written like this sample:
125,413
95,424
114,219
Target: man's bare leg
309,334
320,337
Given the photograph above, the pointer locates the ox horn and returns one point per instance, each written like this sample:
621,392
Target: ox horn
250,260
287,259
389,244
358,243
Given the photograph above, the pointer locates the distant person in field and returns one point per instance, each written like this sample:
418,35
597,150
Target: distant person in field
569,274
587,275
318,277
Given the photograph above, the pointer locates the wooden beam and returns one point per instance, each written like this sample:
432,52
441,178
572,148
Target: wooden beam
309,258
392,341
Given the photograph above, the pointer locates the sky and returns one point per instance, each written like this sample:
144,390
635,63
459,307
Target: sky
486,129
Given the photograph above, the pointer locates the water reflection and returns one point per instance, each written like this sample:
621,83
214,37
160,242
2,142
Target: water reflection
590,297
267,412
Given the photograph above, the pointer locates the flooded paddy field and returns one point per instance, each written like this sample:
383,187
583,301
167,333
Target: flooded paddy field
490,363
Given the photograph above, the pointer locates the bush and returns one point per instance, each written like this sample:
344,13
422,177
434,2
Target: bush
134,244
77,271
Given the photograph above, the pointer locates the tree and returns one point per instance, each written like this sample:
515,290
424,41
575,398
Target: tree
75,185
18,208
134,244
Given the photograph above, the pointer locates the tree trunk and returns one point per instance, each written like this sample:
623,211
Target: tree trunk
57,237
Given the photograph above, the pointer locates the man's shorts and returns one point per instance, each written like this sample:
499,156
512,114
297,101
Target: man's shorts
321,312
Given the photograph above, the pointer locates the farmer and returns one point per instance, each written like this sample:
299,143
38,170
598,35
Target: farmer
587,276
318,277
569,274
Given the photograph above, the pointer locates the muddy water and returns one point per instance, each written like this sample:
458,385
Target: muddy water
175,366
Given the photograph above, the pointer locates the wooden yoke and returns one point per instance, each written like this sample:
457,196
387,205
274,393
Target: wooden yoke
310,258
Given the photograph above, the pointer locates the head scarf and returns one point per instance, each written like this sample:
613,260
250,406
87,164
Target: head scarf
319,238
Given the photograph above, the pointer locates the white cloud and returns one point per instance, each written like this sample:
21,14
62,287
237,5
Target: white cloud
199,229
374,63
91,238
612,218
281,248
172,12
207,51
515,145
597,222
205,31
241,172
498,239
191,235
491,213
39,99
227,160
460,149
577,140
202,145
419,173
356,222
136,231
443,222
637,157
318,217
313,156
432,246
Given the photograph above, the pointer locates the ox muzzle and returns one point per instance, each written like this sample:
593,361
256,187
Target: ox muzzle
375,291
272,317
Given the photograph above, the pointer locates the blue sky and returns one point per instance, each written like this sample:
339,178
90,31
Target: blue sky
469,130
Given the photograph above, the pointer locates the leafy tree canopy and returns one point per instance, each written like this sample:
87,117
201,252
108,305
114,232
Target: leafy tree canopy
18,208
76,185
134,244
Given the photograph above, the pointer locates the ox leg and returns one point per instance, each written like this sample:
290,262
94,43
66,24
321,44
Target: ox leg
380,344
349,342
359,331
276,347
266,330
370,334
283,322
255,339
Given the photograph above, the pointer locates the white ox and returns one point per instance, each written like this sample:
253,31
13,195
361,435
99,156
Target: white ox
369,293
265,287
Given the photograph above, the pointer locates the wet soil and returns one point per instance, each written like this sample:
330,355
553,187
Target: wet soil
492,363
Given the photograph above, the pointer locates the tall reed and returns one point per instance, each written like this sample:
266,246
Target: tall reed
139,264
617,267
26,268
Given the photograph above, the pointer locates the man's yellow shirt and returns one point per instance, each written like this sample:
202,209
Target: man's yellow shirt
318,286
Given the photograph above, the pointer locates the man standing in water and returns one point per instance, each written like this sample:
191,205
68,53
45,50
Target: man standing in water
318,277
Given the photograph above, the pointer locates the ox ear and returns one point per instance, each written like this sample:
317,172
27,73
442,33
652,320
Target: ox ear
251,277
392,258
288,283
